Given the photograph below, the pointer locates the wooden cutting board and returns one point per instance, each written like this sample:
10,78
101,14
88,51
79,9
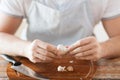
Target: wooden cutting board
83,70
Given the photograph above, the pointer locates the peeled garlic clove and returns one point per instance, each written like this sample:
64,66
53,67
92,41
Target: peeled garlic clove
70,68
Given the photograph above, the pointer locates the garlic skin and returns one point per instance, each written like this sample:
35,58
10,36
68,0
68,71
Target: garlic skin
64,69
61,69
62,48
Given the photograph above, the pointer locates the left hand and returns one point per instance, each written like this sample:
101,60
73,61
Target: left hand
86,49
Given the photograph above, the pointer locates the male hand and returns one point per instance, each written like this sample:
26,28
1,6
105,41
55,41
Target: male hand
86,49
39,51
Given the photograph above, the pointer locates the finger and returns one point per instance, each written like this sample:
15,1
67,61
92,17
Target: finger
36,60
52,49
91,57
80,43
83,48
48,47
45,53
86,53
42,57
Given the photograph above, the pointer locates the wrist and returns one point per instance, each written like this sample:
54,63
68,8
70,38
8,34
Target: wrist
25,47
104,50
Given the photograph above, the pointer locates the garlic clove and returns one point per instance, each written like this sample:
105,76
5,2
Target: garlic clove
61,68
62,48
70,68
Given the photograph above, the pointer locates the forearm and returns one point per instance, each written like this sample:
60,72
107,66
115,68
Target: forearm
111,48
12,45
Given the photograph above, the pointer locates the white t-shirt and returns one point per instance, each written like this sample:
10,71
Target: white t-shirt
61,21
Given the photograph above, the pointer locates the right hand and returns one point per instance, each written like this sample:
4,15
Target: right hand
39,51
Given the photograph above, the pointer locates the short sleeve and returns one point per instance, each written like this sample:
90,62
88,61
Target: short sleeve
112,9
12,7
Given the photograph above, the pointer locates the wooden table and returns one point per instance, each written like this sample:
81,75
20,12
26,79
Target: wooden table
107,69
3,74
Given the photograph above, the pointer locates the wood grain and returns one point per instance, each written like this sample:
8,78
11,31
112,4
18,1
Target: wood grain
81,69
108,69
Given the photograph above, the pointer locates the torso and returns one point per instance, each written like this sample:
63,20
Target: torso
60,22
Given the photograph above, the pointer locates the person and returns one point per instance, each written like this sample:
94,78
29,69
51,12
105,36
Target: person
53,22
